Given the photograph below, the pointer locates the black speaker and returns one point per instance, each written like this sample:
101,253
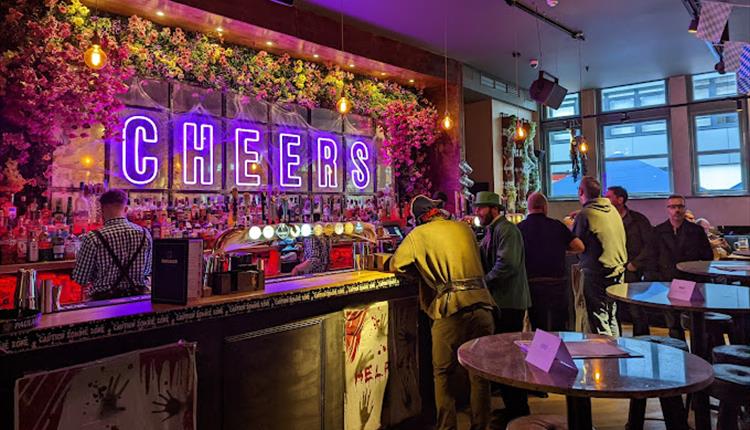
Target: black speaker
176,270
547,92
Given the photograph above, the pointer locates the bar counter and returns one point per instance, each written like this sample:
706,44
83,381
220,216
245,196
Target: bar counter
243,339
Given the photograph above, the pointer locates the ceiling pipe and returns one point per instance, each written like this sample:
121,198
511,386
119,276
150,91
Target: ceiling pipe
693,8
575,34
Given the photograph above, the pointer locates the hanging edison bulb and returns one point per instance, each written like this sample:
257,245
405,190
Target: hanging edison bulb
95,57
583,146
447,122
520,131
343,105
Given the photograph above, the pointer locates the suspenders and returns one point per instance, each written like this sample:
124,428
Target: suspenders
124,269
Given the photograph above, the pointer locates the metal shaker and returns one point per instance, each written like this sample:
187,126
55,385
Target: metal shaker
49,298
25,296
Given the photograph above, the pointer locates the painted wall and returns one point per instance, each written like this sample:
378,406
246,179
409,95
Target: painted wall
720,210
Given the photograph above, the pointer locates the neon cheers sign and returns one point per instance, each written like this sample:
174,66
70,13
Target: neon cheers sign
257,156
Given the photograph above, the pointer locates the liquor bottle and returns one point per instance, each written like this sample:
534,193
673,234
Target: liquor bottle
69,211
45,245
58,215
58,246
22,246
71,248
33,248
7,249
46,213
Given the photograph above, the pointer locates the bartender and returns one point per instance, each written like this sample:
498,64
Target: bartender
115,260
317,256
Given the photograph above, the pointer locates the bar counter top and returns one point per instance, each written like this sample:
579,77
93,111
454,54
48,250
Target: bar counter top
98,322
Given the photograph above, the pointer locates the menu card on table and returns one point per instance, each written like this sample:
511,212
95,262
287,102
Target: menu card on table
687,291
545,348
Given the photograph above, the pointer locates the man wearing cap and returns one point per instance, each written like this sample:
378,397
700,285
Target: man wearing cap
454,296
504,266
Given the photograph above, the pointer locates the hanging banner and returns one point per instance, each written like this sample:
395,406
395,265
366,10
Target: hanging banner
152,389
713,19
365,365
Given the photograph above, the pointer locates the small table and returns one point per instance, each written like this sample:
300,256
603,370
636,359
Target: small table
662,371
728,299
733,270
742,252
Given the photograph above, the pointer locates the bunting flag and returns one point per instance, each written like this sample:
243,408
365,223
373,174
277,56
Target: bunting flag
713,19
743,73
732,52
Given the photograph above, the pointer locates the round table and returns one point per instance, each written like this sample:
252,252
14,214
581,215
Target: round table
727,299
661,371
733,270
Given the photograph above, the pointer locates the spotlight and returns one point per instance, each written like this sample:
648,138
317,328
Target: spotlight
316,56
552,3
693,26
351,65
219,30
719,67
411,81
269,43
159,13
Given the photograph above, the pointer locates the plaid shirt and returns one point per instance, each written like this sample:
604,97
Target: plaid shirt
318,253
94,266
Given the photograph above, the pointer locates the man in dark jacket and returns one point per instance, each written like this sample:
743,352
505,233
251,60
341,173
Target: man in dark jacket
639,234
546,241
505,274
677,240
600,228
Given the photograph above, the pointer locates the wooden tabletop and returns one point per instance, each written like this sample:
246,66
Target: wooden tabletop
730,299
742,252
662,371
730,269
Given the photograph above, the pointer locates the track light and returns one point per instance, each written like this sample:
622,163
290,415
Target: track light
693,26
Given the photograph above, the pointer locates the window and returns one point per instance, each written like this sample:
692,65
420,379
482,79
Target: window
561,183
718,153
634,96
714,85
569,107
636,156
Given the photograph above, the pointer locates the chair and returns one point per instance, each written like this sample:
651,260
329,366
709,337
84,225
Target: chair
732,354
539,422
716,325
732,387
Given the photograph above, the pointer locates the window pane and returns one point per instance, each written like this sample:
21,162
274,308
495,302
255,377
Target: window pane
634,96
636,156
647,176
720,172
713,85
717,132
561,181
636,139
559,145
569,107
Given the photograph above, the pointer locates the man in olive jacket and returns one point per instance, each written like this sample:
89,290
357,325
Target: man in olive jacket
504,265
454,296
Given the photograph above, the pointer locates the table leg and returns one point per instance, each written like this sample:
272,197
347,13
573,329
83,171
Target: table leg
579,412
699,348
675,415
636,414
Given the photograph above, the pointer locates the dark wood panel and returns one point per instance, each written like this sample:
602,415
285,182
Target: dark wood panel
258,398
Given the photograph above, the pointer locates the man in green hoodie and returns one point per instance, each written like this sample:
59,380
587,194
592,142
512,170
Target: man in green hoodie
600,227
454,296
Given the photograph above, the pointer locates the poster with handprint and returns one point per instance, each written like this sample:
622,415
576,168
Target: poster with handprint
365,365
150,389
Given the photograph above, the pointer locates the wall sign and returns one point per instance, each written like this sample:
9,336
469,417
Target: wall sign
257,155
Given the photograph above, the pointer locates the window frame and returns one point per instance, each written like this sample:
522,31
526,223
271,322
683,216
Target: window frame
638,117
718,107
600,98
547,183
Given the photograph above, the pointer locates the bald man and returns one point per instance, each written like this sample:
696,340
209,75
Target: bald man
546,241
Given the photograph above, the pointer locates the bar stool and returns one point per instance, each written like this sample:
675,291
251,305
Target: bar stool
637,409
539,422
732,387
716,325
732,354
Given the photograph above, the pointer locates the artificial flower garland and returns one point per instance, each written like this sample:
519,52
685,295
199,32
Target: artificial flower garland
50,96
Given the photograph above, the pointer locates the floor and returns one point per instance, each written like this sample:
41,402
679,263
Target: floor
608,414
